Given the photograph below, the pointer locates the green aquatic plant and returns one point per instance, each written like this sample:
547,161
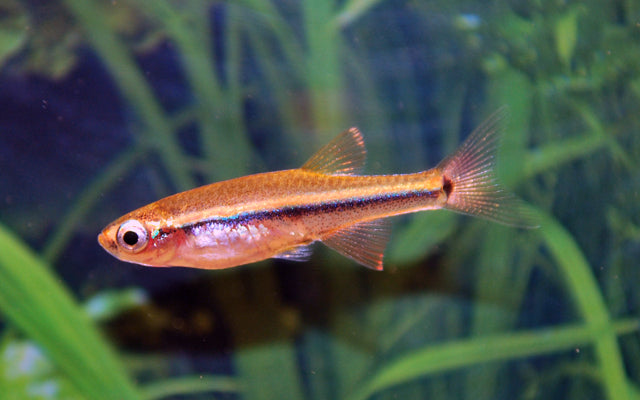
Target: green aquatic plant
33,300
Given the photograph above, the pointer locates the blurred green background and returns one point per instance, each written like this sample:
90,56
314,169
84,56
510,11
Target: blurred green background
108,105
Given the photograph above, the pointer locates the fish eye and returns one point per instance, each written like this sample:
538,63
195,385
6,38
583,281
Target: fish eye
132,236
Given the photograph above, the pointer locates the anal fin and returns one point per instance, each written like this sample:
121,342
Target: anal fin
363,242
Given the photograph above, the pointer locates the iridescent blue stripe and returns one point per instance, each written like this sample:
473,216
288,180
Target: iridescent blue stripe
315,208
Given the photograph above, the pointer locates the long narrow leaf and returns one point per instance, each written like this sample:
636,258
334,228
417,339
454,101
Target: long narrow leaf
44,310
134,88
468,352
583,287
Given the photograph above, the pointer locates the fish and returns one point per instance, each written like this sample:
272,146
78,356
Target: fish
281,214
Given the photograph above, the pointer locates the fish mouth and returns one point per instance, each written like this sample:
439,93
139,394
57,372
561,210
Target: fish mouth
106,244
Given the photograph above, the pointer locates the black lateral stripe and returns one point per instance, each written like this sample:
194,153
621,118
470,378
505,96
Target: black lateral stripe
299,210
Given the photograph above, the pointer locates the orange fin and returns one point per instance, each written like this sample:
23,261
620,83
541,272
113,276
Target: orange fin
299,253
470,180
363,242
344,155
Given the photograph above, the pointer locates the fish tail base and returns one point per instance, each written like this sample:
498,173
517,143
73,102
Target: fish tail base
470,182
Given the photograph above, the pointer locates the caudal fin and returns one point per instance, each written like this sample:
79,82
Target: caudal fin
470,180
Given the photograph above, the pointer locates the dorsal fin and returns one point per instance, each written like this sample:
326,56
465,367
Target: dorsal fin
344,155
363,242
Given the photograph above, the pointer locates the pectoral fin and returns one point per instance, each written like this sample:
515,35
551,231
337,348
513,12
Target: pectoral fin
364,242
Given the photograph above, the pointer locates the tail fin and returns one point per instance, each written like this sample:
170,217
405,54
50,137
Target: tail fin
470,180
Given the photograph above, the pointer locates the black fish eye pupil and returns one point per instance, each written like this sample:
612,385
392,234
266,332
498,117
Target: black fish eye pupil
130,238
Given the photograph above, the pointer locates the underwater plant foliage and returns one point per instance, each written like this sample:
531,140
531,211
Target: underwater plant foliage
137,99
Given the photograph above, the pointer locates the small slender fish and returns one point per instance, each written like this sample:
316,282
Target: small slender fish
279,214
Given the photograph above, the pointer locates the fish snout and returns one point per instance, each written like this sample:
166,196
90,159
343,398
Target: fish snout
106,243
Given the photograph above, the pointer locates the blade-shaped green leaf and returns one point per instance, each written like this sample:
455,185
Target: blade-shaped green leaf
36,303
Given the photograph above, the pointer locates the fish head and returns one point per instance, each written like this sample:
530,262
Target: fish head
134,238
